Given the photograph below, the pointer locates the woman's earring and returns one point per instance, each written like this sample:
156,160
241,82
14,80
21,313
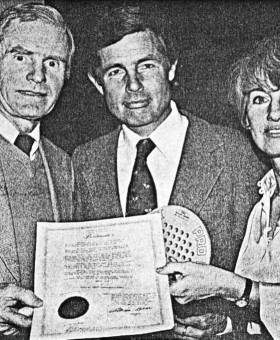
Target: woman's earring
248,127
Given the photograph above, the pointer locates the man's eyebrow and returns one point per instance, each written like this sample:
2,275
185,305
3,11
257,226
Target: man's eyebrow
119,65
55,57
19,49
148,58
22,50
110,66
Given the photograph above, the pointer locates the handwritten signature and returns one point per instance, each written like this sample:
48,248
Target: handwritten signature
120,309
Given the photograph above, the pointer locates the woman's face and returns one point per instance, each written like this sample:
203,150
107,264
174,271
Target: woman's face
263,118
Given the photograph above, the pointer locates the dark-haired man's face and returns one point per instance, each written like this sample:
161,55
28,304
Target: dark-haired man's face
135,79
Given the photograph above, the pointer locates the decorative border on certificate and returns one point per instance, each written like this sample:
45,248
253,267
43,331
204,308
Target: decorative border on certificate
98,279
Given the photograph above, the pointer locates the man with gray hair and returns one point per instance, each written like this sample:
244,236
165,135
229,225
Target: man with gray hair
35,175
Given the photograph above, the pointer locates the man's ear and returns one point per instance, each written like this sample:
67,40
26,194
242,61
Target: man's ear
172,71
96,84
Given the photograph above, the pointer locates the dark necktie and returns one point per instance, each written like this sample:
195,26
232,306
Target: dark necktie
141,195
24,143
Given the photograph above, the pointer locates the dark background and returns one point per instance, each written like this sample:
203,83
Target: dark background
209,35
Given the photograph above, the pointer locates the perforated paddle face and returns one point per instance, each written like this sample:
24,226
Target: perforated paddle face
185,236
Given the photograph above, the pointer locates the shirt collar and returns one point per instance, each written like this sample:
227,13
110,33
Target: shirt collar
10,133
171,129
129,137
268,184
35,133
8,130
171,126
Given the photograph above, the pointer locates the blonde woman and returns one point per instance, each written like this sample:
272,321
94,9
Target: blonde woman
255,90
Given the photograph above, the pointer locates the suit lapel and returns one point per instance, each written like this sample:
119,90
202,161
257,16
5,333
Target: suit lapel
60,177
108,173
9,262
200,167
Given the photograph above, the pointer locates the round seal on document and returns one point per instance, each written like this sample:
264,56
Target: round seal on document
73,307
185,236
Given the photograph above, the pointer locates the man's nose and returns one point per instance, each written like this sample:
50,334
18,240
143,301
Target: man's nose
37,72
133,83
274,110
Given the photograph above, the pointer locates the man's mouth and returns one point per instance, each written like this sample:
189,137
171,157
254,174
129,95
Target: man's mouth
32,93
137,104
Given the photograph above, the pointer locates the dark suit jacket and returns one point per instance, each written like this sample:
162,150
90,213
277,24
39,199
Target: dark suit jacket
216,179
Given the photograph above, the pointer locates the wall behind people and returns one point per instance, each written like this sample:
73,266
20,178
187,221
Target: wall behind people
210,36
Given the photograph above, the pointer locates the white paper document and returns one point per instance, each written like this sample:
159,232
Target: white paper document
98,279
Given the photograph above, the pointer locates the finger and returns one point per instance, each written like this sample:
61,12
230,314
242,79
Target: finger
180,331
185,332
170,268
15,331
26,296
4,328
183,300
195,332
180,337
183,288
12,317
195,321
11,331
175,276
213,323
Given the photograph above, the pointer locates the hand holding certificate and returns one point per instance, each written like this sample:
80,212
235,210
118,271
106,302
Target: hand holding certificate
98,279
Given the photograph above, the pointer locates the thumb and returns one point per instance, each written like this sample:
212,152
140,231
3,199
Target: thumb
27,297
27,311
30,299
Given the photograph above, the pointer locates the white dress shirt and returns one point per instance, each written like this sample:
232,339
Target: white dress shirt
10,132
163,161
259,255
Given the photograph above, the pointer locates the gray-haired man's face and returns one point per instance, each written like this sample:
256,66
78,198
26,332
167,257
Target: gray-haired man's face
32,69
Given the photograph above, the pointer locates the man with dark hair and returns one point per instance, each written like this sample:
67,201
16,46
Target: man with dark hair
161,155
35,175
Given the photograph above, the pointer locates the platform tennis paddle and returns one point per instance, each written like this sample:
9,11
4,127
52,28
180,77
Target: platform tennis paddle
185,236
